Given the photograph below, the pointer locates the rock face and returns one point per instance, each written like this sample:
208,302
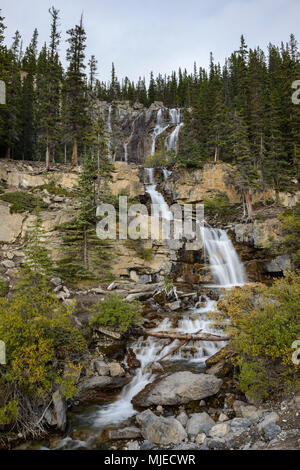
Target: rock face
11,224
177,389
98,388
126,180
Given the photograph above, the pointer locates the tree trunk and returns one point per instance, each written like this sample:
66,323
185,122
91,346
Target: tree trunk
48,155
277,196
8,152
249,204
184,337
75,153
85,251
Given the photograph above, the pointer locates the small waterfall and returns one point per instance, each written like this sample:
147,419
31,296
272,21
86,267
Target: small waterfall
172,140
109,129
158,129
126,152
225,264
157,199
166,173
150,350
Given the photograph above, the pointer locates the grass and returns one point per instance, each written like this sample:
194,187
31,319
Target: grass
21,201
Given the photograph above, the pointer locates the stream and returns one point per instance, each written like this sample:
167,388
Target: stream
227,271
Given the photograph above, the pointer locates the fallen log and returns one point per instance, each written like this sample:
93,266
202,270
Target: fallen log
185,337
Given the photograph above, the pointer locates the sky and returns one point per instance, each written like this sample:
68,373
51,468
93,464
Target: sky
157,35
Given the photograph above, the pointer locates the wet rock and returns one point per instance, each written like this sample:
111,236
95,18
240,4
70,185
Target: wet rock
116,370
50,418
174,305
156,368
125,433
102,368
269,418
219,364
219,430
177,389
198,423
60,410
97,389
271,431
132,361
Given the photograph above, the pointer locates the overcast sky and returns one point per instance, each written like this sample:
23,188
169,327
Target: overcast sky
159,35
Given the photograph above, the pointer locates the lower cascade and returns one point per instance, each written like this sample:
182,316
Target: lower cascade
227,271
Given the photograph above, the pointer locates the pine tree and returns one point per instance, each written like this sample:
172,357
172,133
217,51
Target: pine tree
76,87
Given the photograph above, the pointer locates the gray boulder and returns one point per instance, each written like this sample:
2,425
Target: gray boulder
271,431
177,389
198,423
125,433
269,418
165,431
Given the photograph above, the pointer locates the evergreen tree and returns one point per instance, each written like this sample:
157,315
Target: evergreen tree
76,87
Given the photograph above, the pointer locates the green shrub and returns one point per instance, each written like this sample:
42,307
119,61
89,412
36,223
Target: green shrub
4,288
55,190
142,252
117,313
21,201
291,229
264,323
218,207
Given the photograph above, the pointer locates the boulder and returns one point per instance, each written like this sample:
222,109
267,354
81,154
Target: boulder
98,388
116,370
164,431
269,418
182,418
174,305
8,264
219,430
251,412
198,423
102,368
11,224
125,433
271,431
56,281
177,389
200,438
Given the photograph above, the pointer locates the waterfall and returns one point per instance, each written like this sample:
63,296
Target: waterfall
126,152
166,173
172,140
158,129
157,199
226,267
150,350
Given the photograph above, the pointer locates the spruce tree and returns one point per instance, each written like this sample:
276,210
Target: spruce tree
76,87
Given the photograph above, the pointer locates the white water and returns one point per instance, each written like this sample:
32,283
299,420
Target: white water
150,350
166,173
171,142
158,129
225,264
157,199
126,152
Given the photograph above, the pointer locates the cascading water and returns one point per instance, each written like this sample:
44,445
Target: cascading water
225,264
157,198
172,140
158,129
